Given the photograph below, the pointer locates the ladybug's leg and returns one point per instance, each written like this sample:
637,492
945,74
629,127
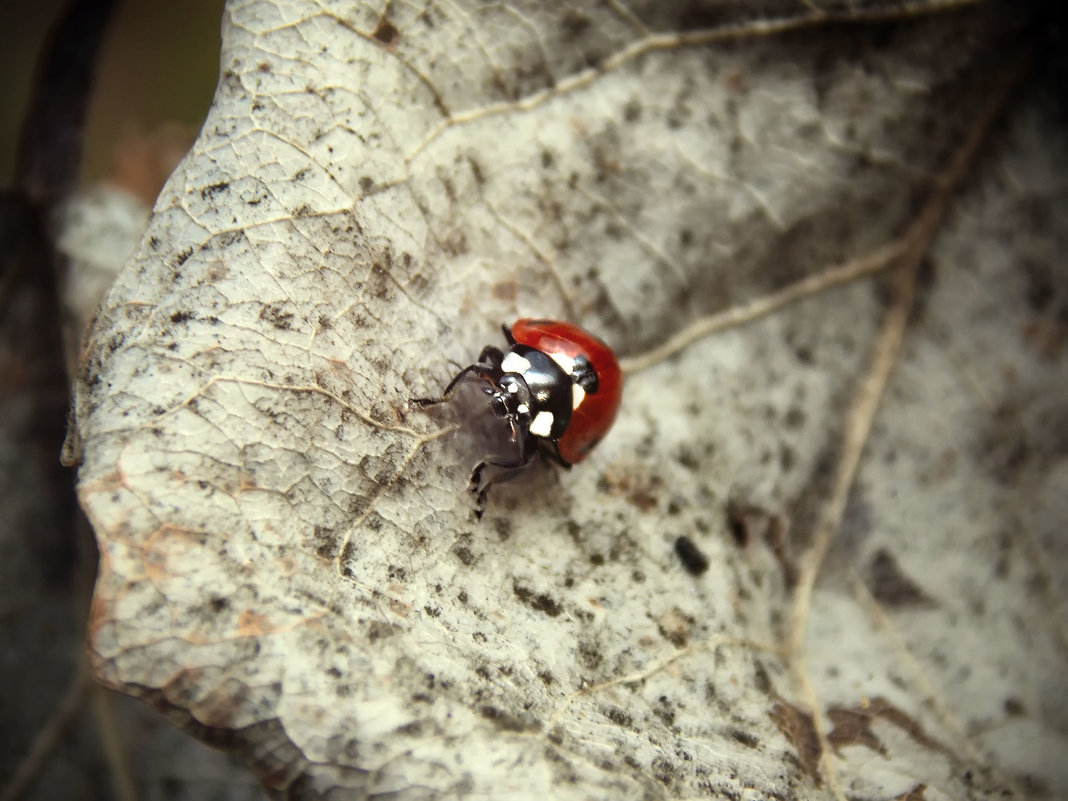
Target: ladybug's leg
487,367
509,469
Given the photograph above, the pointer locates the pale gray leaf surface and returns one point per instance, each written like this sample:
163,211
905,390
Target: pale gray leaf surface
289,564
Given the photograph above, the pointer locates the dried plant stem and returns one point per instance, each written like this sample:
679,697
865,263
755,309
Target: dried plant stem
876,260
48,737
884,352
114,748
861,413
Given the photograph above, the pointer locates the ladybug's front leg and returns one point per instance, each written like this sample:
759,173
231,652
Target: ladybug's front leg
488,368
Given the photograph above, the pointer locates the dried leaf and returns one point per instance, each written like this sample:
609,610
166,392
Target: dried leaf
289,563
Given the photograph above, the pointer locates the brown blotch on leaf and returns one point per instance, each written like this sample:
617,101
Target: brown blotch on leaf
377,630
890,586
852,726
915,794
749,523
386,32
505,290
640,490
798,728
675,626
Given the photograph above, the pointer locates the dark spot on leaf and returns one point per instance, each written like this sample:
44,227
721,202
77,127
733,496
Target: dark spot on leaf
367,183
574,23
619,717
787,457
675,626
182,316
503,525
213,190
386,32
589,655
218,604
761,679
464,554
539,602
377,630
664,771
797,726
891,586
505,721
1014,707
347,554
795,417
700,16
153,242
693,559
664,711
275,315
744,737
476,171
181,257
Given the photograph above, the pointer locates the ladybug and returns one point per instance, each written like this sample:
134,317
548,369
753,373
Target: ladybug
557,385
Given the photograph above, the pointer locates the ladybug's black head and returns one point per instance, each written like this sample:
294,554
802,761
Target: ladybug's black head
510,398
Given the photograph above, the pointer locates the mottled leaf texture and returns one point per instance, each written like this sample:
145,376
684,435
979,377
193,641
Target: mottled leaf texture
290,566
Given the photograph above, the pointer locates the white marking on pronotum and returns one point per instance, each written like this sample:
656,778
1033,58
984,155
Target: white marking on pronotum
514,363
522,409
577,394
542,424
566,363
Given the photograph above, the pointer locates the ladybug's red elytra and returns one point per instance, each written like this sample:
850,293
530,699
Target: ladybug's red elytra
557,385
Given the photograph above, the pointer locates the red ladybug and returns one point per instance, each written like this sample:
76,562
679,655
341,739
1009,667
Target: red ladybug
557,385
